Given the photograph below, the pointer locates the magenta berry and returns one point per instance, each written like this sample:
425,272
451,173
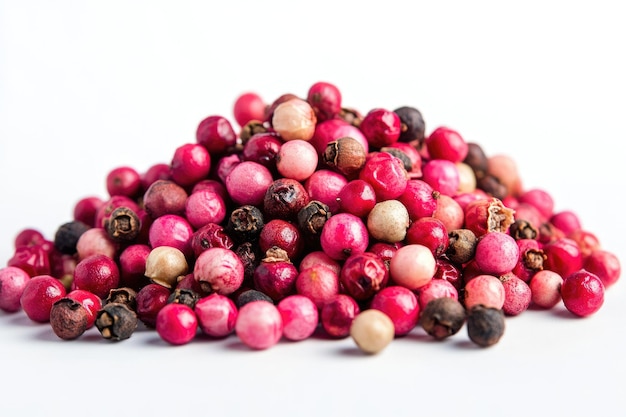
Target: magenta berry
124,181
445,143
210,235
386,174
319,283
13,280
430,232
517,295
156,172
442,175
203,207
325,98
299,315
33,260
496,253
275,277
176,324
259,325
96,241
488,215
381,127
363,275
171,230
86,208
216,134
567,221
150,300
98,274
191,163
248,182
583,293
449,212
262,148
319,258
38,296
248,107
563,256
132,265
436,288
90,301
284,198
28,237
485,290
219,270
164,197
217,315
337,314
357,197
401,305
545,287
605,265
541,200
330,130
324,185
419,198
296,159
343,235
413,266
282,234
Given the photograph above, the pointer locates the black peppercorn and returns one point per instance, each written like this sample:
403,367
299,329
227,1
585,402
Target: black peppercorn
485,325
123,295
184,296
442,317
412,125
284,198
68,318
250,129
461,246
312,217
123,225
476,159
116,321
492,186
345,155
250,259
252,295
245,224
521,229
67,236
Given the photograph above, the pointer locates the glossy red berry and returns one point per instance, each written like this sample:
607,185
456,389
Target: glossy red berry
176,324
39,294
583,293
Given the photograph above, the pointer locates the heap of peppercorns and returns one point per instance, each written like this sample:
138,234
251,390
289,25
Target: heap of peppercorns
312,217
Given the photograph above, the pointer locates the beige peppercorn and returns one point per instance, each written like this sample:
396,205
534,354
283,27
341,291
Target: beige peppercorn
372,330
165,264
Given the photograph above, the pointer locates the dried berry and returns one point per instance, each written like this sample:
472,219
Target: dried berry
123,295
184,296
442,317
124,225
461,246
346,155
66,236
68,318
245,223
485,325
116,321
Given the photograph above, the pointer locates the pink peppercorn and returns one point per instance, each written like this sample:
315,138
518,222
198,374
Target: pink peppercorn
430,232
583,293
319,258
496,253
275,277
13,280
330,130
605,265
176,324
219,270
38,296
86,208
98,274
419,198
203,207
337,315
357,197
324,185
442,175
539,199
296,159
164,197
248,106
445,143
363,275
132,264
545,287
259,325
191,163
216,134
401,305
386,174
449,212
485,290
284,235
171,230
325,98
90,301
381,127
150,300
567,221
412,266
517,295
116,201
563,256
300,317
96,241
436,288
319,283
158,171
124,181
217,315
248,182
343,235
34,260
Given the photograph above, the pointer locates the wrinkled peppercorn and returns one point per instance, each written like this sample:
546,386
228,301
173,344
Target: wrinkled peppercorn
442,317
67,235
412,125
184,296
123,295
461,246
521,229
250,258
346,155
252,295
124,225
116,321
245,224
406,161
485,325
68,318
312,217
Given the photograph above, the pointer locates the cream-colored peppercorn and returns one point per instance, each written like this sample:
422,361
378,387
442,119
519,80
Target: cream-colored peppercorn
165,264
372,330
388,221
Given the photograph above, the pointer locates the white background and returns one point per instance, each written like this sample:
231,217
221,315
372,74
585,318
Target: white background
88,86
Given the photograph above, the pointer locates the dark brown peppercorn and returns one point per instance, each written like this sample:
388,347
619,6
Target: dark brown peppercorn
346,155
521,229
351,116
406,161
533,259
461,246
124,225
123,295
492,186
184,296
245,224
485,326
252,295
68,318
412,125
284,198
312,217
116,321
250,259
442,317
250,129
476,159
67,235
